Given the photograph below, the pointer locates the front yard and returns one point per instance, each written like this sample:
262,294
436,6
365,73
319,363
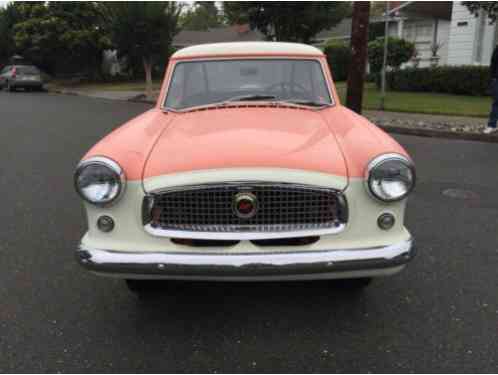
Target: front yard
114,86
422,102
396,101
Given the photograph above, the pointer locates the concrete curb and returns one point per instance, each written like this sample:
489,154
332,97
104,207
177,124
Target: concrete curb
62,92
490,138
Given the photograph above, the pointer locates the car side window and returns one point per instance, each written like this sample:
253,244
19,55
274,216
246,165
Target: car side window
5,70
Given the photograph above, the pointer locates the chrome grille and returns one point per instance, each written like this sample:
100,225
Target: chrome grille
281,208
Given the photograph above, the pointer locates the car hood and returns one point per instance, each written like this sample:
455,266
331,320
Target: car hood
247,137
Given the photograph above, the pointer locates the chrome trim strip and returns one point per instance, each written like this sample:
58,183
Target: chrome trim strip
224,264
241,235
242,183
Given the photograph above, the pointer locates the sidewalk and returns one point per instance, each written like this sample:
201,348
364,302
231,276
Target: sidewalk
423,121
130,95
438,126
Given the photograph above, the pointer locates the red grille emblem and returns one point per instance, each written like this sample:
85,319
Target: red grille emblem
245,205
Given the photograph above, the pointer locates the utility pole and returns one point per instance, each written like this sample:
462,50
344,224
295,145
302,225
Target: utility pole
384,60
357,68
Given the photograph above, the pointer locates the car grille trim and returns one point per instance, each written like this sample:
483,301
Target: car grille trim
206,211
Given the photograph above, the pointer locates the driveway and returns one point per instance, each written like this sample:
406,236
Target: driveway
439,315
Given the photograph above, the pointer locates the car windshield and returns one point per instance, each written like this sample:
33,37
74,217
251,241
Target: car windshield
198,83
27,70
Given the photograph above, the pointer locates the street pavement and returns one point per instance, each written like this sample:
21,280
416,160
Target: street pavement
439,315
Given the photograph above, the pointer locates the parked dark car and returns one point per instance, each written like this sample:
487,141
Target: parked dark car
27,77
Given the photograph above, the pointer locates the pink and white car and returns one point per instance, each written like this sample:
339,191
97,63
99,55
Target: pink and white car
247,168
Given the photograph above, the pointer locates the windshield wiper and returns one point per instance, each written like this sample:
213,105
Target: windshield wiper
310,103
242,98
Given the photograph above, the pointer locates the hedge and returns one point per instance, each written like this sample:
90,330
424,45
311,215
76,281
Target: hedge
460,80
339,57
399,51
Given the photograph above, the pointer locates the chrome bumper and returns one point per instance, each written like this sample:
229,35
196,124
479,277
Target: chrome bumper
313,264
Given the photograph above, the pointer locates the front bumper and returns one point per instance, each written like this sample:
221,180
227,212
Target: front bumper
26,83
293,265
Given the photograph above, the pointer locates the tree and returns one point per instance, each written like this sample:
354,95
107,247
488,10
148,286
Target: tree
292,21
378,8
202,16
490,7
62,37
399,51
144,30
339,59
6,38
12,14
357,68
234,13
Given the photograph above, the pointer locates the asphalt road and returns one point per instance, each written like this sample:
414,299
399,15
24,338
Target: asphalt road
439,315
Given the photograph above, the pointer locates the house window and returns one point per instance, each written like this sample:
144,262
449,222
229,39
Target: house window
417,31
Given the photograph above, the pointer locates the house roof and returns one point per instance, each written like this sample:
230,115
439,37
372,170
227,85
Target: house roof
340,31
429,9
235,33
247,48
434,9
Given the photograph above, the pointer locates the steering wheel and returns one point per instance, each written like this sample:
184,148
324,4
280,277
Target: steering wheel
287,87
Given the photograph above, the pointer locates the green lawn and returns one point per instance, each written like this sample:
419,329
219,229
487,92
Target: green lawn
421,102
397,101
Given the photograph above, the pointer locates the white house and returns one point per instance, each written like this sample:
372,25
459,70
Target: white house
471,39
462,38
427,25
444,32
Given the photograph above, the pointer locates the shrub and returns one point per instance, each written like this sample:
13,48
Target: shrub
459,80
339,57
399,51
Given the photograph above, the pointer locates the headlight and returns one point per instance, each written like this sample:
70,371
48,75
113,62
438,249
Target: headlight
390,177
99,180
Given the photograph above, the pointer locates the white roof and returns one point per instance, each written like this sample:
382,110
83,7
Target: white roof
247,48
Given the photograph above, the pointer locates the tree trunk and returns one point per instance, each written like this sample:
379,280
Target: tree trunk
357,68
148,77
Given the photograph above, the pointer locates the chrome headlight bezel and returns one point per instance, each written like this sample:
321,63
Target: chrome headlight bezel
377,162
115,169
